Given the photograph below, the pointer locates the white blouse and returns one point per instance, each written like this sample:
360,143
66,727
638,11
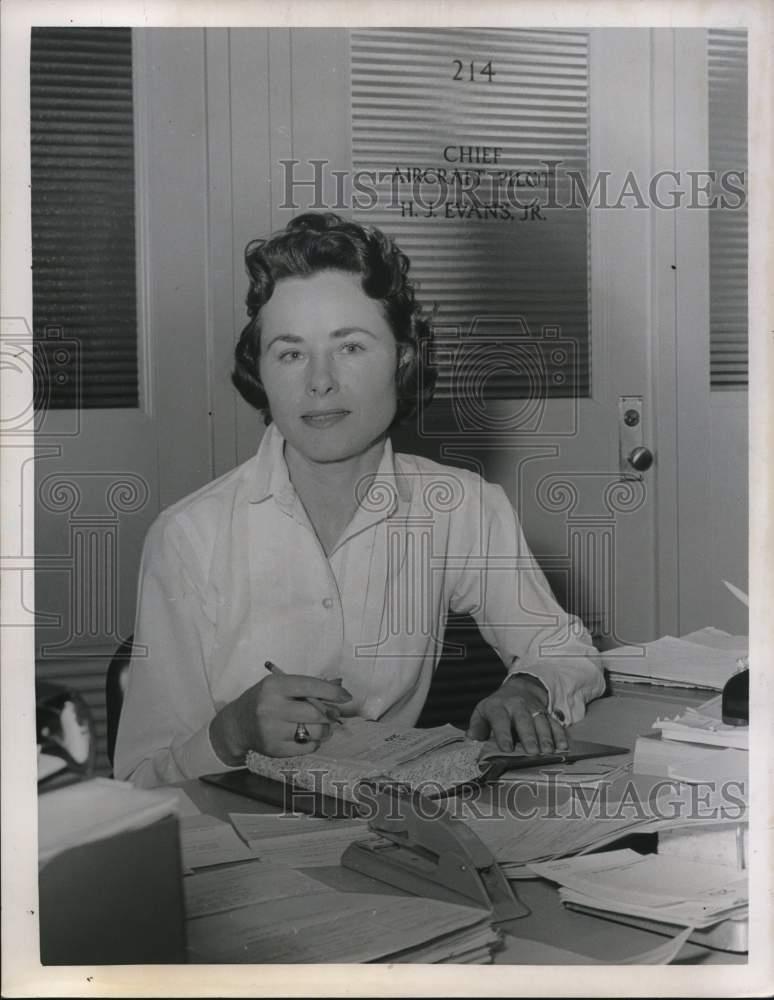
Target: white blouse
235,575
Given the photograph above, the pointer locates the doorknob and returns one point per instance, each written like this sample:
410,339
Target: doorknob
633,457
640,459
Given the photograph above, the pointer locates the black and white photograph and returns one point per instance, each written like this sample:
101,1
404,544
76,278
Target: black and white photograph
386,462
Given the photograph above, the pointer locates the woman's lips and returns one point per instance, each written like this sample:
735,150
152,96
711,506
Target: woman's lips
324,419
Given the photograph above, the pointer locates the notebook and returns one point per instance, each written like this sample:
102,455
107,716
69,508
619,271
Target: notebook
436,762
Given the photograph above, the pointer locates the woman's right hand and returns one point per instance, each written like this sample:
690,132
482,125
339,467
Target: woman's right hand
265,717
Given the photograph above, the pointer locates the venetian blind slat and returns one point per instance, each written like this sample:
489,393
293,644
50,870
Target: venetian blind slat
83,216
727,91
511,291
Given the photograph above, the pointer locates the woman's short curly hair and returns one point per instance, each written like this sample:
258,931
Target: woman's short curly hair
316,242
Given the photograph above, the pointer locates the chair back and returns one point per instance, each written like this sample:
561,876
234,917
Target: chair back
468,671
115,686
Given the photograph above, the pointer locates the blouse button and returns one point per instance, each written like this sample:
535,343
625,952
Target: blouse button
327,602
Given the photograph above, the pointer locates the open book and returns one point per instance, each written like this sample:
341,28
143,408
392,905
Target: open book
433,762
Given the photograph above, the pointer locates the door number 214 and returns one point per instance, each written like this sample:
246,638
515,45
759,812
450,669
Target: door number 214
468,72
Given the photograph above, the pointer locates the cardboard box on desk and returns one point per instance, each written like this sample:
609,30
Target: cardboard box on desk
115,899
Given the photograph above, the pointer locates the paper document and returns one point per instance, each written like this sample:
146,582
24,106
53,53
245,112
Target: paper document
579,774
209,841
439,759
716,638
738,594
663,758
320,849
720,844
652,879
704,724
664,888
383,746
254,826
223,889
331,927
515,841
519,842
521,951
676,661
725,765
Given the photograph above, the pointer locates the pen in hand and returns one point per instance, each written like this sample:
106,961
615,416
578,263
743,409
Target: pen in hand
319,705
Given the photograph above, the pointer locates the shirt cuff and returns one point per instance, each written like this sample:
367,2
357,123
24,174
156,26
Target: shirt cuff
557,713
570,685
197,756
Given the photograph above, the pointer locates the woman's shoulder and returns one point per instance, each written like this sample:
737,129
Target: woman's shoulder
449,486
198,517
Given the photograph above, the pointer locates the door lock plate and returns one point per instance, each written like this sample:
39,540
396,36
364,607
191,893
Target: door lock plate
630,438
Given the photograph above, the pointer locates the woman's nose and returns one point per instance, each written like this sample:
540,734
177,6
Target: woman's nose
321,378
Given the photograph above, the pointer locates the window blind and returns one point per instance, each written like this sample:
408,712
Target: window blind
510,283
727,87
83,216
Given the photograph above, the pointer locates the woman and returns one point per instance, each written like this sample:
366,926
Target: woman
327,554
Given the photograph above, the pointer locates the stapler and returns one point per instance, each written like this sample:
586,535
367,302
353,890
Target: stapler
434,856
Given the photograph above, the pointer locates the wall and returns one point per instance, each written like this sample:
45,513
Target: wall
728,505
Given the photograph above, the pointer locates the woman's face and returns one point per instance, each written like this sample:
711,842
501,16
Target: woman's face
328,364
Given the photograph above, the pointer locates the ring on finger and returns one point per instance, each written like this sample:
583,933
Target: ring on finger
302,734
540,711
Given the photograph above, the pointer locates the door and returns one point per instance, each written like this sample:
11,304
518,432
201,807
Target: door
592,528
103,475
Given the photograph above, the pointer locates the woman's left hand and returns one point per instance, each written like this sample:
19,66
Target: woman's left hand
517,712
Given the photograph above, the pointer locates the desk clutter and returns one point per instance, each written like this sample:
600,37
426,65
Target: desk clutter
128,875
706,658
654,891
597,803
256,912
266,912
695,747
437,762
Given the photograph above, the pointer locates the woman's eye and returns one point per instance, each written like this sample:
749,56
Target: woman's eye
351,347
291,355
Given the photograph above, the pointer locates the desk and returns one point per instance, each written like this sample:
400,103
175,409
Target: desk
616,719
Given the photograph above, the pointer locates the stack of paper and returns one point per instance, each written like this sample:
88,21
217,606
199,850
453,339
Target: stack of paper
259,912
298,841
208,841
704,724
523,951
588,821
702,659
516,841
716,843
689,762
579,774
661,888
